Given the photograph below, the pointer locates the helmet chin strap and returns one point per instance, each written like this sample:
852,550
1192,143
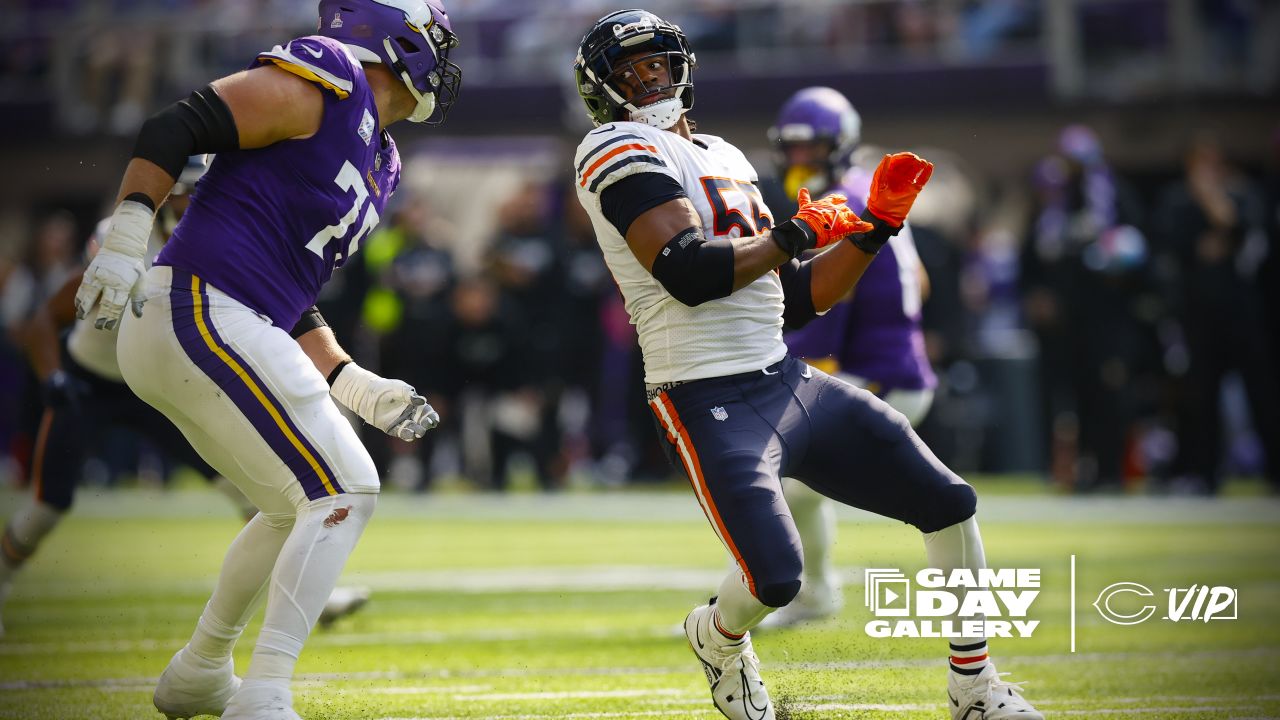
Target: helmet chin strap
426,103
662,114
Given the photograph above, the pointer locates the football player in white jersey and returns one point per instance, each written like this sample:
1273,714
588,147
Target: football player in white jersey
710,280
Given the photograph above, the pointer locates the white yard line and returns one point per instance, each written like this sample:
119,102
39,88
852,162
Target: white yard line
679,505
1261,654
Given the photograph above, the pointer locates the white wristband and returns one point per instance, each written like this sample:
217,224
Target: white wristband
351,387
130,229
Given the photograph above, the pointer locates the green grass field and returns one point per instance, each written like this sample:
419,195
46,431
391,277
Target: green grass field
566,607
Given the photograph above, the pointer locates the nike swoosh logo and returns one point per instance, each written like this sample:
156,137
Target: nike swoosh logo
748,703
952,699
317,54
766,372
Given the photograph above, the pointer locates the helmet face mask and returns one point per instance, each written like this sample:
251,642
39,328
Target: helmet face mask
412,38
822,118
615,47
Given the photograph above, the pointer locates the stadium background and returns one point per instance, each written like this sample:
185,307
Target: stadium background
1065,369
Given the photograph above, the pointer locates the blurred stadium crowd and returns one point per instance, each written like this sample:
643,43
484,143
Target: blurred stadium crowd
1102,325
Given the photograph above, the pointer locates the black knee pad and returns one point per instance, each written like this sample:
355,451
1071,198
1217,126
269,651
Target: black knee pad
778,594
953,504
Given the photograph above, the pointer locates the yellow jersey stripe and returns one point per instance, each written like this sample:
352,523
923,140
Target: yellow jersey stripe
253,387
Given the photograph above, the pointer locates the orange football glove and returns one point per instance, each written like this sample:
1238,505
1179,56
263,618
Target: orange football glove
898,180
830,218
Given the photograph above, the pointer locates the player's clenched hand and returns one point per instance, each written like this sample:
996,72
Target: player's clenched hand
818,223
392,406
898,180
830,218
114,277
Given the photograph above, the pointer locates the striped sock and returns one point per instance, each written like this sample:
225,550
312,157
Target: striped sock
969,659
715,622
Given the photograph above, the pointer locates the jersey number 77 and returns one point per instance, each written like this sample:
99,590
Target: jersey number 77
348,179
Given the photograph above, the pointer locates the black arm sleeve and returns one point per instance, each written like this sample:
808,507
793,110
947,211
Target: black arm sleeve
797,294
629,198
310,320
200,124
694,270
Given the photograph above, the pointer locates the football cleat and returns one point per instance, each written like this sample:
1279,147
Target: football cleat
191,686
731,667
258,700
815,602
986,697
343,601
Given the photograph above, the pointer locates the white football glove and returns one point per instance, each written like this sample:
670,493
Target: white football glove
116,273
392,406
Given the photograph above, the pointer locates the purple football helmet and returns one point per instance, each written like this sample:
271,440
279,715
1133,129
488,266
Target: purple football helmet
819,114
411,37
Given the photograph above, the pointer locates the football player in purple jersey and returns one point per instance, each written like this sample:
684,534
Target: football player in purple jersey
872,339
230,346
84,394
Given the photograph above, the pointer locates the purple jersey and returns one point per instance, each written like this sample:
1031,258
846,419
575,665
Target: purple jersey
875,336
268,226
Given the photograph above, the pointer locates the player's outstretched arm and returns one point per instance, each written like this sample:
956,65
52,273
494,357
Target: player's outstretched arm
668,241
39,334
39,338
898,179
392,406
250,109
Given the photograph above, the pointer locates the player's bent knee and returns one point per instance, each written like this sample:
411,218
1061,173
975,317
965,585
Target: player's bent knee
954,504
778,594
280,521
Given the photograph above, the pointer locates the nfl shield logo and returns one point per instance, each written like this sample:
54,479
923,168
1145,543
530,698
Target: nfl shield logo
719,413
365,131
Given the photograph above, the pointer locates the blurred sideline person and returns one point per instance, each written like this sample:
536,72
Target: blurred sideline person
231,347
84,393
872,339
710,281
1212,230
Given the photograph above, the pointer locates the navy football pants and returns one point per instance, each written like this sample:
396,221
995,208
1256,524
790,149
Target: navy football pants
735,437
65,433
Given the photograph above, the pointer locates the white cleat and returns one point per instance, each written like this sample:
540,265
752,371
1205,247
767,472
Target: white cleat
343,601
986,697
731,666
191,686
816,601
257,700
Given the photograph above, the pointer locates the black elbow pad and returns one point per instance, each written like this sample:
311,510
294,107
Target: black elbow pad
311,319
202,123
694,270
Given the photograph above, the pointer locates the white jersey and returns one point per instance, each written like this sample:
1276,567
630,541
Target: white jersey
734,334
94,349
